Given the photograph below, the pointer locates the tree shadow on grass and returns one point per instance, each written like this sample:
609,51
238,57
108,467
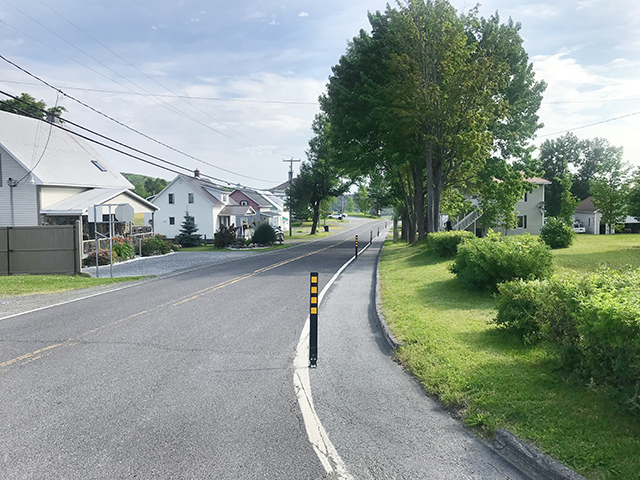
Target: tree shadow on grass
450,294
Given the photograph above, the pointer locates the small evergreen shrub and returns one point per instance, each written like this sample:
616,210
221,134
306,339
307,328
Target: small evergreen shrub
155,245
123,249
556,233
264,234
445,244
224,237
188,236
483,263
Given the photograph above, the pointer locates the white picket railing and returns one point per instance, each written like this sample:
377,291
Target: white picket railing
467,220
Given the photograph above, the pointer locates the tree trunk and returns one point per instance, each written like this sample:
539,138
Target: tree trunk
316,217
430,190
419,202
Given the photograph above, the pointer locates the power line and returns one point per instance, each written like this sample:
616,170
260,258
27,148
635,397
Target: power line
183,98
127,126
589,125
151,95
113,141
161,95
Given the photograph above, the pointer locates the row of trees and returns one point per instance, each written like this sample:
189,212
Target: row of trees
428,105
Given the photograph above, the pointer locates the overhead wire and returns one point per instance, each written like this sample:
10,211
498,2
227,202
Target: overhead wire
183,98
127,126
151,95
162,95
61,127
589,125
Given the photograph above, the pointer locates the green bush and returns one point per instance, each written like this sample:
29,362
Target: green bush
264,234
224,237
556,233
155,245
483,263
445,244
593,319
123,249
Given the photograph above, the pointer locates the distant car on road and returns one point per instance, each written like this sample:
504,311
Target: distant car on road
337,216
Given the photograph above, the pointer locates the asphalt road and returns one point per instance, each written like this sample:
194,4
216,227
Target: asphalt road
190,376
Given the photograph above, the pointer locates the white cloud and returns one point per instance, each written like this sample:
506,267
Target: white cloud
541,10
303,14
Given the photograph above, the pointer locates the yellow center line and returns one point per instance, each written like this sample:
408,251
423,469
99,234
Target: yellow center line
36,354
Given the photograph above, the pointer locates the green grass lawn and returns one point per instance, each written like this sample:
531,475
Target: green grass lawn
490,378
45,284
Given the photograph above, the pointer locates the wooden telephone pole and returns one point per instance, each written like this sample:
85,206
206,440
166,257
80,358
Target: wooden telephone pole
291,161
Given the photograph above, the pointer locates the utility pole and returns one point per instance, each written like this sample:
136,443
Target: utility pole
291,160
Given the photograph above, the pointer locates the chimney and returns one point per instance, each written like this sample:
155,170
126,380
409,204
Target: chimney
196,173
54,118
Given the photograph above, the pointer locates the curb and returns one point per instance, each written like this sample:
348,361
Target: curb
525,457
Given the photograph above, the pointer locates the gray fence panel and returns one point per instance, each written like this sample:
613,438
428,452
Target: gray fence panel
4,252
39,250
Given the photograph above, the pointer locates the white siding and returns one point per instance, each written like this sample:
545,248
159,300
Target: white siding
25,196
204,212
52,195
530,208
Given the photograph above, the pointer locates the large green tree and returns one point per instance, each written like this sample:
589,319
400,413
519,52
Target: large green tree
610,190
318,179
426,97
28,106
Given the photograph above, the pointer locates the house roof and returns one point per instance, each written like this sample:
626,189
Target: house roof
238,210
537,181
586,206
281,188
205,187
79,204
57,157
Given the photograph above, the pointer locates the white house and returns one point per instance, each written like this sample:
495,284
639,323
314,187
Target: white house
50,176
268,206
587,214
209,204
529,211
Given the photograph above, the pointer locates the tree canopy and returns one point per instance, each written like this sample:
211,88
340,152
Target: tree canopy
425,99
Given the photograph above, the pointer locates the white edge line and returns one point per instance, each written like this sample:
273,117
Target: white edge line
326,452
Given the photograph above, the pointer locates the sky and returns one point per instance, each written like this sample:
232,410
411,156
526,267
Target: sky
231,88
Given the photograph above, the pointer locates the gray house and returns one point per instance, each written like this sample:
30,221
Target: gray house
49,176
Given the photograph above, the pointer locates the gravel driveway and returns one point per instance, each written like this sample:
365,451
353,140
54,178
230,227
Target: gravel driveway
172,262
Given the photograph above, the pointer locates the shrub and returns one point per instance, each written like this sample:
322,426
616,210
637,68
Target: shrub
264,234
104,258
556,233
594,320
224,237
445,244
483,263
155,245
123,248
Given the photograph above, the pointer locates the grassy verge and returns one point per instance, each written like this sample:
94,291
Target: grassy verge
490,378
45,284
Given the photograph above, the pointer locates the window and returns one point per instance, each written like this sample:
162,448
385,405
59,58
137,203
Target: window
244,203
225,198
171,198
521,221
525,197
589,221
191,198
172,220
98,166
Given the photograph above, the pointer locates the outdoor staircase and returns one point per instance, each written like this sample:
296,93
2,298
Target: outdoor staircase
467,220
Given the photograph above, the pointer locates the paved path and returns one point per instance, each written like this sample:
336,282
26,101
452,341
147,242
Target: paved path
379,419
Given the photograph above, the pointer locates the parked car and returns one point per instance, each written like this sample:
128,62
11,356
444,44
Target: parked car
578,227
336,216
